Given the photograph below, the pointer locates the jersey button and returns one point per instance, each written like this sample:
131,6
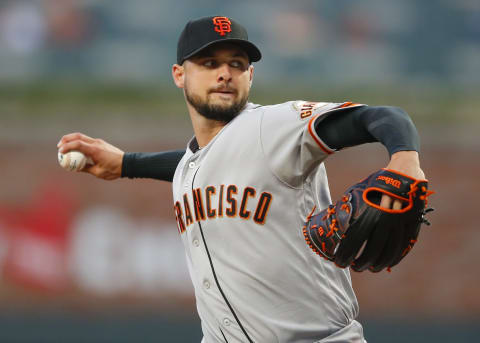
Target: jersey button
196,242
226,322
191,165
206,284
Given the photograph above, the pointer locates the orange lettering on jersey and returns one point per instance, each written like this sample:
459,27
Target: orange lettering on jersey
209,191
178,215
307,109
232,211
220,201
262,208
222,25
248,192
306,114
198,202
184,216
188,213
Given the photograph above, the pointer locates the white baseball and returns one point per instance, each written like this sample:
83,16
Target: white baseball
72,160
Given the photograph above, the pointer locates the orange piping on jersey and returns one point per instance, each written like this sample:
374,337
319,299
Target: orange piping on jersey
188,213
209,191
347,104
315,138
232,211
263,207
248,192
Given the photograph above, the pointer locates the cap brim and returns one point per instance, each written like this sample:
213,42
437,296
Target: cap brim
251,49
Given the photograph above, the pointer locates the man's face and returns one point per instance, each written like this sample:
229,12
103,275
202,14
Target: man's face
217,81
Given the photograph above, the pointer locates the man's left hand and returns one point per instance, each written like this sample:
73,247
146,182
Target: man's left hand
405,162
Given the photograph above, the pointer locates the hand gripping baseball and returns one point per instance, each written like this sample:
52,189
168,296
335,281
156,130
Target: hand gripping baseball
358,232
107,159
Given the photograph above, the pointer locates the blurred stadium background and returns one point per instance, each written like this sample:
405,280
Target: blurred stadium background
85,260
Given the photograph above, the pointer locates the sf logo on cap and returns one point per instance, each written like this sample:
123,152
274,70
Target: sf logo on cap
222,25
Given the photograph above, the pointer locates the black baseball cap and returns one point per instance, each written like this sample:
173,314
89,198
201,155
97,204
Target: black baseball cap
201,33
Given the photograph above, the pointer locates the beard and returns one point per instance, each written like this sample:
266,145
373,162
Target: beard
221,113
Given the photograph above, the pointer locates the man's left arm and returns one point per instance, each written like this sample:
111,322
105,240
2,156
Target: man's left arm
391,126
352,126
365,229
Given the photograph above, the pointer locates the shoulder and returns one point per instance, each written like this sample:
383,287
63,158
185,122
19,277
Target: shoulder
257,113
251,107
295,109
288,107
303,109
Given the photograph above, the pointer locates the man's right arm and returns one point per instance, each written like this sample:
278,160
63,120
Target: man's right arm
155,165
110,163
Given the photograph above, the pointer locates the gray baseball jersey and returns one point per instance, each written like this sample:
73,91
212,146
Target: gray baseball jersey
240,204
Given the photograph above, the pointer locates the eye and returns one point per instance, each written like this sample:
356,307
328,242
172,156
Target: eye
210,63
237,64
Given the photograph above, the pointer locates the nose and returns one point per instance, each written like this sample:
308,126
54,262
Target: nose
224,73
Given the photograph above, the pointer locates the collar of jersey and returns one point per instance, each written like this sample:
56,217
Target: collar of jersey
193,144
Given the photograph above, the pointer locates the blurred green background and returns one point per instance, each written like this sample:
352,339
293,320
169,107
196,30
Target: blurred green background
85,260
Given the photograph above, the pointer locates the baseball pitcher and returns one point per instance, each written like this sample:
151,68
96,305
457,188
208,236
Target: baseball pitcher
268,252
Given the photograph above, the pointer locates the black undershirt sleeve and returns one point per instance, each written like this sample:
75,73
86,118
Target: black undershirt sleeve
344,128
349,127
154,165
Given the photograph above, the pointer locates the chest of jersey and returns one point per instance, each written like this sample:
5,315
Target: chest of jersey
240,224
224,195
217,186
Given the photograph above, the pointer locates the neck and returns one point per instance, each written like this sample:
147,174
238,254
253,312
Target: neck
205,129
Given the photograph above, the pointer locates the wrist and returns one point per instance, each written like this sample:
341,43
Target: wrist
411,155
406,162
125,165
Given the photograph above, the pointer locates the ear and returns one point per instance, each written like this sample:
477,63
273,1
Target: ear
178,74
251,74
